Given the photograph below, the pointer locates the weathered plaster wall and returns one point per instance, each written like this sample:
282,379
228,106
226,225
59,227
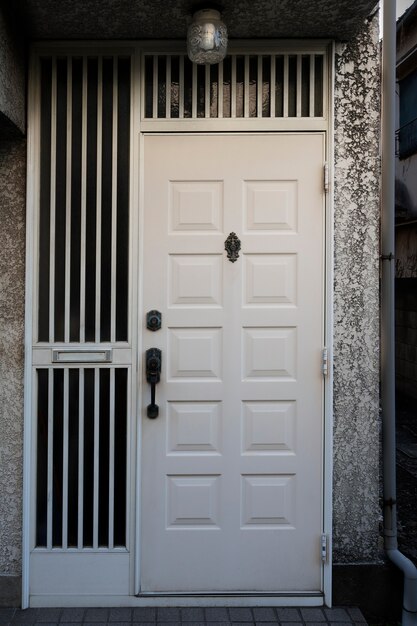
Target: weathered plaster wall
356,298
12,77
12,285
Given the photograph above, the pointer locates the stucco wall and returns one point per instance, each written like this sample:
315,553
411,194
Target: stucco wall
12,267
12,77
356,299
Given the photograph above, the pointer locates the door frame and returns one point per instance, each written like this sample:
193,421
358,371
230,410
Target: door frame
138,129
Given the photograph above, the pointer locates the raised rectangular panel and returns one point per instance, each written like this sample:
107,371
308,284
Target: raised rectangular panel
196,205
270,279
194,353
268,500
268,427
269,353
271,205
193,427
192,501
195,279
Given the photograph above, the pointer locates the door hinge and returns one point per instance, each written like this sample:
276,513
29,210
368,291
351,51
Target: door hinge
324,547
326,177
325,361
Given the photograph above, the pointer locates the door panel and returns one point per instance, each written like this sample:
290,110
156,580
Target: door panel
232,466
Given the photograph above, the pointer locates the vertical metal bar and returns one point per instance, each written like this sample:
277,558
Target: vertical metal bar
50,458
168,88
181,95
207,92
246,90
273,85
128,449
259,87
155,87
83,201
111,461
65,462
68,204
233,88
285,88
114,204
53,206
220,92
96,454
312,86
99,192
80,539
299,85
194,93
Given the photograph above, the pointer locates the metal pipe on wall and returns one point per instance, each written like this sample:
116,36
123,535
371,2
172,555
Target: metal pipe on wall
409,612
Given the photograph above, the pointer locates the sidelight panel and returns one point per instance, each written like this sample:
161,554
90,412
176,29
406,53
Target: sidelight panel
83,242
81,456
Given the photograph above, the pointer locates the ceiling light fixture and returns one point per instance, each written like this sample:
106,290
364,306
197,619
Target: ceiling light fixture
207,37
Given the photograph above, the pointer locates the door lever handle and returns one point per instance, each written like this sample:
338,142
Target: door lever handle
153,376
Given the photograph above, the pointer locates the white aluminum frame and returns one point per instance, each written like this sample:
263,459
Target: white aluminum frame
38,355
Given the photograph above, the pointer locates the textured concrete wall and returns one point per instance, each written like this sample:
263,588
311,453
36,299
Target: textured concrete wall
12,77
356,295
12,284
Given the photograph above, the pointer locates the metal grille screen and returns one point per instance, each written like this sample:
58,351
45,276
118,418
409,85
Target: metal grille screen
81,464
242,86
84,199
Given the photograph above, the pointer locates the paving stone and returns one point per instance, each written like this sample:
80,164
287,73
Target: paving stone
336,615
356,615
48,615
70,623
96,615
6,615
168,614
192,614
291,623
219,624
340,623
144,614
72,615
240,614
313,615
241,623
288,615
217,614
143,623
94,623
120,615
172,623
264,614
268,623
28,616
120,623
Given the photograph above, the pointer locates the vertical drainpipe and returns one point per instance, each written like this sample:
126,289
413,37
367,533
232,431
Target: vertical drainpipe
409,613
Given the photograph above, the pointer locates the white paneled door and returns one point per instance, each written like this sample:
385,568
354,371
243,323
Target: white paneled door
232,467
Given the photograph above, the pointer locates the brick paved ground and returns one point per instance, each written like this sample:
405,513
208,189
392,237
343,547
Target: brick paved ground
216,616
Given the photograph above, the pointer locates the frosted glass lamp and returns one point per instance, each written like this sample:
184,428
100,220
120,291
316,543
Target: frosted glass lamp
207,38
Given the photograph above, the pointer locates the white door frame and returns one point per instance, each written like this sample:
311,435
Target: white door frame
138,128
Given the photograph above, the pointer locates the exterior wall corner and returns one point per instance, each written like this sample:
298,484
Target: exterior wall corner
356,476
